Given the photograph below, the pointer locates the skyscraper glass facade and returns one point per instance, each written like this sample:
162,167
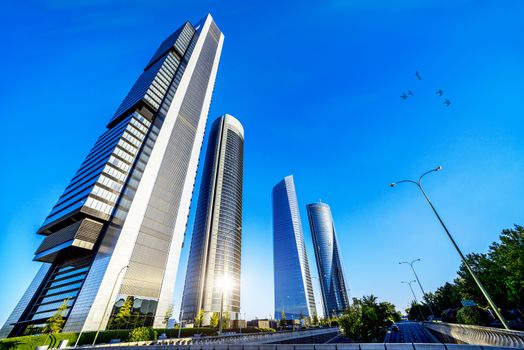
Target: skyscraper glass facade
126,208
331,275
293,289
215,253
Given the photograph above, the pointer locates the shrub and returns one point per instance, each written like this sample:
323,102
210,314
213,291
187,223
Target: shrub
188,332
263,330
29,342
142,334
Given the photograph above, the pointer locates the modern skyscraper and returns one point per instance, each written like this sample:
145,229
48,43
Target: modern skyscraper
213,271
293,289
331,275
120,223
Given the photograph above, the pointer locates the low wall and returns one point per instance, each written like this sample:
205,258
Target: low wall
460,333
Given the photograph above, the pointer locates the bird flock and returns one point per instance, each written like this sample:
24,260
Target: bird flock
440,93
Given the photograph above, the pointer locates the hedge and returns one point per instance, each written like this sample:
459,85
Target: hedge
29,342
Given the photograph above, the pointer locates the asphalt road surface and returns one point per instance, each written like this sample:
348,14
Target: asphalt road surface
410,332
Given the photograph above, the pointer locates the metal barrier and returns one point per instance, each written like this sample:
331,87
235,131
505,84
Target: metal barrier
251,338
263,338
477,335
342,346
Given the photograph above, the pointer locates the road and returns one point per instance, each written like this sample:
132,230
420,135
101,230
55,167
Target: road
410,332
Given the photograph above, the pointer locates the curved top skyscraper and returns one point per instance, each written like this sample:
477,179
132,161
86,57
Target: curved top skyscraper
293,289
331,275
215,254
120,223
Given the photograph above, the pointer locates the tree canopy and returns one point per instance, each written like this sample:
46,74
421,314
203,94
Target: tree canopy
367,319
199,319
213,323
501,272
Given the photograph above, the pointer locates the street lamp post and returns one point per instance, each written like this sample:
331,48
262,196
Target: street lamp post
108,301
470,270
180,324
418,280
322,302
225,282
415,298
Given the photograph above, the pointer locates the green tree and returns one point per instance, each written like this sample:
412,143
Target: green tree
413,312
56,322
444,298
199,319
123,315
283,319
168,315
351,322
308,321
387,311
473,315
315,320
213,323
225,319
367,320
489,273
509,254
501,272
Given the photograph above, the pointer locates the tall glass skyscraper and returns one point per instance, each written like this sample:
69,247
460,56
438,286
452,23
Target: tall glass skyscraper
120,223
331,275
215,255
293,288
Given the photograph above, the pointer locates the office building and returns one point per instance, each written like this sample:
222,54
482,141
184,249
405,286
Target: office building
120,224
213,271
331,275
293,290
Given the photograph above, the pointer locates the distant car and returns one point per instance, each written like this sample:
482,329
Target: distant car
394,328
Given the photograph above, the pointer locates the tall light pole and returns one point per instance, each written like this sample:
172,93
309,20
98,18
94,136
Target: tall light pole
108,301
418,280
470,270
180,324
415,298
321,294
225,283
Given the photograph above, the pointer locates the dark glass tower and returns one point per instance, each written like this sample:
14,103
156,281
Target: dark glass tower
213,271
331,275
293,288
120,223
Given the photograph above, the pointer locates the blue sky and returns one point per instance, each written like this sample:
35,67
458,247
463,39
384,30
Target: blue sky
316,85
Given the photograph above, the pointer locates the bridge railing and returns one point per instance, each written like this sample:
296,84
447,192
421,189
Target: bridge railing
341,346
260,338
197,343
477,334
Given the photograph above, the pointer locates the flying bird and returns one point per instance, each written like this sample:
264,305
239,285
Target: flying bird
440,92
417,74
447,102
403,96
410,92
